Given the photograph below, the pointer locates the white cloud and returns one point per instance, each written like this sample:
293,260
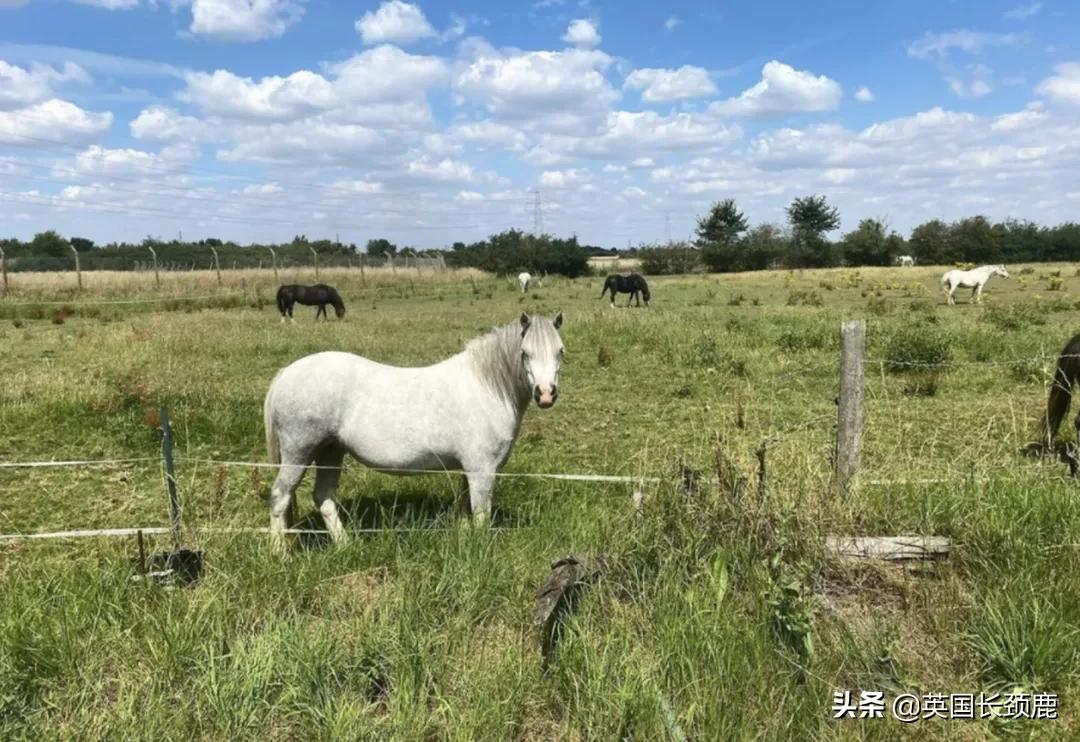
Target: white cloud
939,45
101,161
782,89
313,141
564,178
262,189
491,133
383,75
660,85
582,33
386,73
629,135
1064,85
23,86
969,88
443,170
273,98
1018,120
394,22
243,20
158,123
864,95
556,90
671,22
1023,11
55,119
356,186
634,192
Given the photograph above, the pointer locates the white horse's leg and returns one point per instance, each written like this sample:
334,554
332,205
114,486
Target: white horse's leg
281,498
481,484
976,293
952,291
326,481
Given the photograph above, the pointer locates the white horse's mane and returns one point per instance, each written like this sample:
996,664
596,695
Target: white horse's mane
496,356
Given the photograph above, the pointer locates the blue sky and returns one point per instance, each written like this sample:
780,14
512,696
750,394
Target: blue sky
438,121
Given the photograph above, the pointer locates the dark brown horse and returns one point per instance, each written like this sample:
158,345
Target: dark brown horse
319,294
1057,406
633,284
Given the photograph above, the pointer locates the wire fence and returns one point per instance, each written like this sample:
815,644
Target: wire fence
978,472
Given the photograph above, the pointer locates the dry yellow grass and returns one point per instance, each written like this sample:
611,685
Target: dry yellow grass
39,285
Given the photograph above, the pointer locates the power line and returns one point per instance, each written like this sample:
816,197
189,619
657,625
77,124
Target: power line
538,212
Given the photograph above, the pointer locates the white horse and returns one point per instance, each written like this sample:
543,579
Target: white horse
462,414
905,260
975,278
523,280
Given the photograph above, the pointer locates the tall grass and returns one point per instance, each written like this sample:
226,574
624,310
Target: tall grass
717,602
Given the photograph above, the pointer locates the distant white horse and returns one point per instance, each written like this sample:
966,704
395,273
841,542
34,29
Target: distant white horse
523,280
905,260
462,414
975,278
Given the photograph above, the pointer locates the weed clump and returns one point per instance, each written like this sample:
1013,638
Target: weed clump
919,353
917,346
806,298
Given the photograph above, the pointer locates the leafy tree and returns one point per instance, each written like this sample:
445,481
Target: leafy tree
812,215
975,240
723,224
765,246
867,244
49,244
929,243
82,244
810,218
717,235
380,247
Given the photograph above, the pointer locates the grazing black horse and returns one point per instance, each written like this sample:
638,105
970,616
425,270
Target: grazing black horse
632,284
320,294
1067,374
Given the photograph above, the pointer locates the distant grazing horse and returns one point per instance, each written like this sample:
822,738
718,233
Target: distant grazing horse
461,414
320,294
905,260
975,278
523,280
632,284
1066,376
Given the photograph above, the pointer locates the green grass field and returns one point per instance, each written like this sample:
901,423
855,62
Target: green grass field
720,605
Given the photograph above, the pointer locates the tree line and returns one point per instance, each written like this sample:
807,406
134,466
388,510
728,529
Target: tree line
725,242
504,253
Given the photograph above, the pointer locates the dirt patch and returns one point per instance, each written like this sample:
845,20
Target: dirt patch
922,606
365,587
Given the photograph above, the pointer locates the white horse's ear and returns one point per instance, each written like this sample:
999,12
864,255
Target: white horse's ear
558,320
524,322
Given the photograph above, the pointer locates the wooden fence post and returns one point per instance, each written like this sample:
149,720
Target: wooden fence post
217,264
157,278
363,278
78,268
315,259
273,256
849,428
3,268
170,477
